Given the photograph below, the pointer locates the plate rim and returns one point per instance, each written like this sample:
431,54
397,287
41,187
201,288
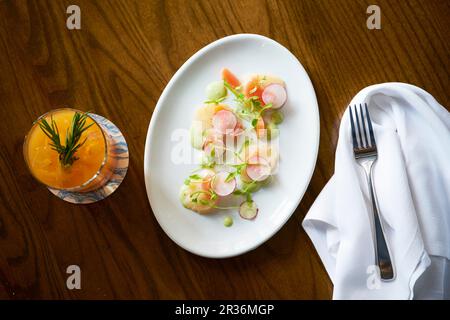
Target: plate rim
162,98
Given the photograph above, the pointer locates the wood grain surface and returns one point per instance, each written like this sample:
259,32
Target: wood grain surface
117,65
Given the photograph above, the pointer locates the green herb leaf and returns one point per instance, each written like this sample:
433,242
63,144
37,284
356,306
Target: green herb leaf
230,176
216,101
245,144
267,106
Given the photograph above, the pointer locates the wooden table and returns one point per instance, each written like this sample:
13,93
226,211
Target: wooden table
117,65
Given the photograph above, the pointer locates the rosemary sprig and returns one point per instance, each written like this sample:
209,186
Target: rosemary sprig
66,152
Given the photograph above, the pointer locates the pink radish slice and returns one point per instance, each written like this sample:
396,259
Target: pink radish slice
258,169
217,145
221,186
248,210
238,130
224,121
275,94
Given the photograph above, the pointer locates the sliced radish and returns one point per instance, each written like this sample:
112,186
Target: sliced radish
238,130
256,159
248,210
205,173
275,94
224,121
221,186
214,147
258,168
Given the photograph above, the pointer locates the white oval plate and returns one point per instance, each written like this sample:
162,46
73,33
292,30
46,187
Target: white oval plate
205,235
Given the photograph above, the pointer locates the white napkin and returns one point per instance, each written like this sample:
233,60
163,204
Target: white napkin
412,181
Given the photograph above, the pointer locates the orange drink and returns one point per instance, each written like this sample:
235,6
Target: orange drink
70,155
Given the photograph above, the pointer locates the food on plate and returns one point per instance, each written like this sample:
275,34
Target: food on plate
195,193
239,119
256,85
216,91
211,121
228,221
274,94
223,184
248,210
230,78
277,117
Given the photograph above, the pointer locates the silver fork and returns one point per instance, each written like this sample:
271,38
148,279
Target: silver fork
365,151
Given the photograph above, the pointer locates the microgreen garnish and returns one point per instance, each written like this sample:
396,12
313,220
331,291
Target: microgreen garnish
211,194
240,97
244,145
193,178
249,107
246,191
230,176
216,101
267,106
225,208
66,152
238,192
207,165
239,167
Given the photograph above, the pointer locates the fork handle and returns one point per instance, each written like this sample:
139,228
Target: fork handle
383,257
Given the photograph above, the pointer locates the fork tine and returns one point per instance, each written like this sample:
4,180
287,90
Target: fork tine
364,130
355,142
372,137
358,125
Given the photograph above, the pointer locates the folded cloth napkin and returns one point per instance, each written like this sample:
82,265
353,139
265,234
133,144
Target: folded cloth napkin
412,182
